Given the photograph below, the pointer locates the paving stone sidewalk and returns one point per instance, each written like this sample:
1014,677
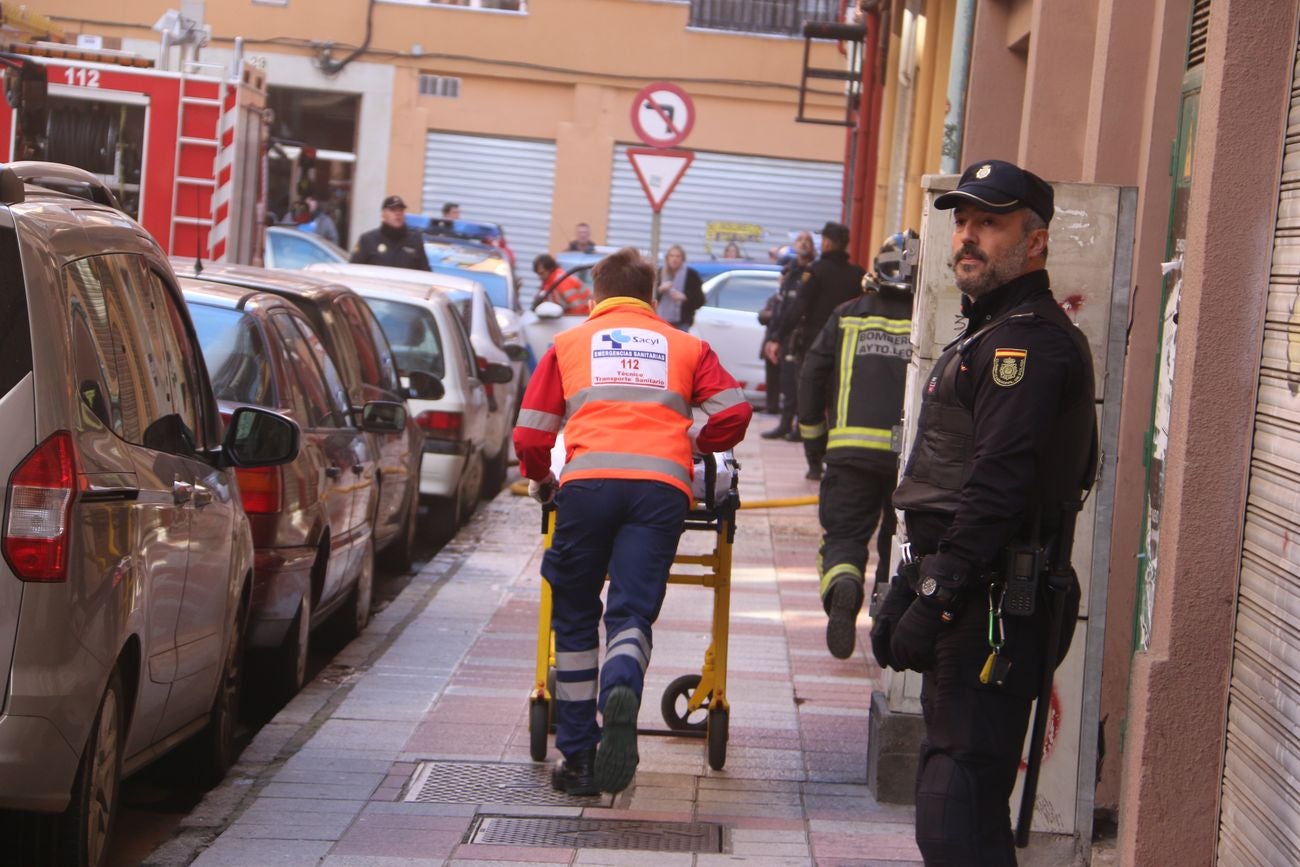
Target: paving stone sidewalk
412,748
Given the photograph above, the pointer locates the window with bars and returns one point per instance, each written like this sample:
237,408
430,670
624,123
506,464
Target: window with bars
785,17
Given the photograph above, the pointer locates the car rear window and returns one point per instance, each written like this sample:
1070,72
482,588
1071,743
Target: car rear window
413,333
15,329
235,354
743,293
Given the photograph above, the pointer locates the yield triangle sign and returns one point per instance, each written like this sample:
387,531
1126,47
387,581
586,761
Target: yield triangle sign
659,170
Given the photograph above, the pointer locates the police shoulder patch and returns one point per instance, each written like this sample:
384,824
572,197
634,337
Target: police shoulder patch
1009,366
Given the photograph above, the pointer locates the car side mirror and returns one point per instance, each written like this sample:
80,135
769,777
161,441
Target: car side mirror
516,352
259,438
497,373
549,310
423,385
384,416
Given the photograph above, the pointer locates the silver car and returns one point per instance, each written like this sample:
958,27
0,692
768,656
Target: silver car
128,561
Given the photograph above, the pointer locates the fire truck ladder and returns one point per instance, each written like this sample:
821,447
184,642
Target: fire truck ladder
192,186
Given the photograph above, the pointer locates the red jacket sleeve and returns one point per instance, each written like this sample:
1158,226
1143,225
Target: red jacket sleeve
719,395
541,415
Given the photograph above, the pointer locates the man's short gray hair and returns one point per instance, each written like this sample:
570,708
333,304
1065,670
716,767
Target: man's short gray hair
1034,221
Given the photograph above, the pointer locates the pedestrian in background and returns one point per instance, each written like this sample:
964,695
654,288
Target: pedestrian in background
627,381
1005,446
777,341
823,286
451,211
321,222
850,405
394,243
732,251
679,292
569,292
582,242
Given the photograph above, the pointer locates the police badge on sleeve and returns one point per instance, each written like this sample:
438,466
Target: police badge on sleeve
1009,366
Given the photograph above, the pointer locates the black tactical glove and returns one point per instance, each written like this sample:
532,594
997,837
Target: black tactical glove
885,616
942,578
940,581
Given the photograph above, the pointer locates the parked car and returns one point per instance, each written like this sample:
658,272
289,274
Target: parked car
312,519
488,266
366,364
729,322
127,560
428,334
292,248
503,388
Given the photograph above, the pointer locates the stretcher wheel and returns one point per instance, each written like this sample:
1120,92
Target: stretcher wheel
539,710
718,730
673,705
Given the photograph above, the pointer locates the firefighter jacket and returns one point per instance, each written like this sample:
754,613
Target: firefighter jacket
570,293
627,382
823,286
852,380
1007,430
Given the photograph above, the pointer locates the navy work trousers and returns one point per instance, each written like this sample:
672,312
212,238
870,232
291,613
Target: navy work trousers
628,529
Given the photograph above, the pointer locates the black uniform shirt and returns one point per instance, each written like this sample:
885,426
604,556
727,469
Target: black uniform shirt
401,248
1015,408
823,286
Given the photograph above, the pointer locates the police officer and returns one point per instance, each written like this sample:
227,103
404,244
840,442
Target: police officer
1006,443
393,243
627,381
787,386
850,403
823,286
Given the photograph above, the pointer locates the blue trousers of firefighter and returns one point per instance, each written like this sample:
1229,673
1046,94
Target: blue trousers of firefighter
628,529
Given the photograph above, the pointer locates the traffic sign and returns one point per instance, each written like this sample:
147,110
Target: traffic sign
659,170
662,114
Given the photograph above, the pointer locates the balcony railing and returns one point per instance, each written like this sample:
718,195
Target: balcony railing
785,17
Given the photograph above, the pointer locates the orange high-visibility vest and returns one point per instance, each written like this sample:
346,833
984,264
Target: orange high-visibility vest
628,379
571,293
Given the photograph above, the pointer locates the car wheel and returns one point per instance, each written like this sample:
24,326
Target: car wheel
400,552
87,824
290,666
217,746
444,517
471,487
494,473
356,613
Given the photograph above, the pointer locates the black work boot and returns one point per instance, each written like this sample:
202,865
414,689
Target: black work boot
842,628
782,430
573,774
616,758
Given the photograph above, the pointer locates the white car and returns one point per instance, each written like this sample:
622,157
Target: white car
475,307
729,322
291,248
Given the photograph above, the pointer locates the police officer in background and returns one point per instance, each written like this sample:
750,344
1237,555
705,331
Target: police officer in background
393,243
626,380
850,403
1005,445
823,286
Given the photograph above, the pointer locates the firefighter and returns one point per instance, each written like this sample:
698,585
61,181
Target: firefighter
393,243
850,402
1005,444
627,381
569,292
823,286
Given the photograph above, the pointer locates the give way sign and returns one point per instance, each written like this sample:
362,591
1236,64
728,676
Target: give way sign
659,170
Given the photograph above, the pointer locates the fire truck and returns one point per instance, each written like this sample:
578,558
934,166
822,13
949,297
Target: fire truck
184,151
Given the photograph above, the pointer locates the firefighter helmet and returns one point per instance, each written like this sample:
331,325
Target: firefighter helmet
895,264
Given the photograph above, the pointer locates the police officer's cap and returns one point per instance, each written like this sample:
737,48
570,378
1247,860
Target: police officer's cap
1001,187
394,203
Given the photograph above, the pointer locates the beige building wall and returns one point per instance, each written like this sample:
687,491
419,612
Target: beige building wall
565,71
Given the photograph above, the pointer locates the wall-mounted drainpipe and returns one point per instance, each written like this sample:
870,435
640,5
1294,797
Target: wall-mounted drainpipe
867,135
963,33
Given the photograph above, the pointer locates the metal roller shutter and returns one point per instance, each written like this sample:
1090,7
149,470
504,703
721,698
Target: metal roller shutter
502,180
782,196
1259,821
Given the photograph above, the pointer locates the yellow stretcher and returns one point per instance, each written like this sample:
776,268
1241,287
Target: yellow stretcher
693,705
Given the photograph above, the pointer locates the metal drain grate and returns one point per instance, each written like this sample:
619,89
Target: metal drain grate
598,834
478,783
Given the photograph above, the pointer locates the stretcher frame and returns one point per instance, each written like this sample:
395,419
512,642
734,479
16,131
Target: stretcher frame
693,705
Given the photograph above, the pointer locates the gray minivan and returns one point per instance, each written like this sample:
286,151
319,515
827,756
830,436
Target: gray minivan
127,558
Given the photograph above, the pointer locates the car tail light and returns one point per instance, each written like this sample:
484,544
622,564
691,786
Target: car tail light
37,509
440,425
482,366
260,488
